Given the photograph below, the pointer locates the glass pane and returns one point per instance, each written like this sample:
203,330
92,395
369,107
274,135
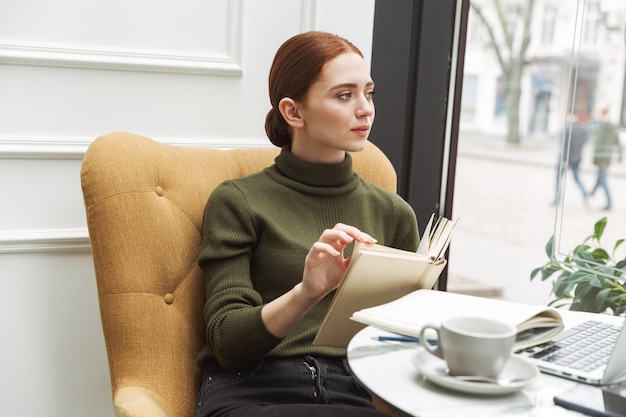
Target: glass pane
531,68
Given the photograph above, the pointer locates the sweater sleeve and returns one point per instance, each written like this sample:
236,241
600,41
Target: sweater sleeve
406,236
235,331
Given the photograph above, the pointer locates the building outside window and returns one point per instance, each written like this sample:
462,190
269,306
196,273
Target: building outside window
548,19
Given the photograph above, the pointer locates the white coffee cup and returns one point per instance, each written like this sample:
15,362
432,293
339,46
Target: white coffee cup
472,345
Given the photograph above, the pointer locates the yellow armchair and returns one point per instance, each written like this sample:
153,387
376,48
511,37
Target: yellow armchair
144,204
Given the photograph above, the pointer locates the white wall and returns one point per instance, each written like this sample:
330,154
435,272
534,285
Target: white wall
183,72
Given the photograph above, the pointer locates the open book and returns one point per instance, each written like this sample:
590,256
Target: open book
535,324
378,274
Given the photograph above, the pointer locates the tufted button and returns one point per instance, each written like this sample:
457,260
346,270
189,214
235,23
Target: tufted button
159,190
169,298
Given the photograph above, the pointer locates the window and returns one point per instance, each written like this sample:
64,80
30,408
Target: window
505,192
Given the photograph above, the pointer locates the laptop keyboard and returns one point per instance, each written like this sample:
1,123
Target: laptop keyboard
585,347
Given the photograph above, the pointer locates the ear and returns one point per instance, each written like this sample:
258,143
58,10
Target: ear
290,110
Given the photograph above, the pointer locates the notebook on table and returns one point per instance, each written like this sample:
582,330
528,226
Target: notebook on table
593,352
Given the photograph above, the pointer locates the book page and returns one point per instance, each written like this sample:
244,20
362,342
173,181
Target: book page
408,314
436,238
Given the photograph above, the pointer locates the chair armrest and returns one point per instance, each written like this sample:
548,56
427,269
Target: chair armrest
138,402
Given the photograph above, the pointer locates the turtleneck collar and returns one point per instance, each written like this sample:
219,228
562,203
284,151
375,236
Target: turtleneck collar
315,174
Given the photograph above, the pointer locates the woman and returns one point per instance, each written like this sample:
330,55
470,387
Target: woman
274,242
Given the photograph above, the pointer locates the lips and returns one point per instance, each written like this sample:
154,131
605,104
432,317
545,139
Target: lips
361,129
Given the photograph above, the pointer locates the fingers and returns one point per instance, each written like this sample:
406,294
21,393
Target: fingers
325,264
333,241
320,248
345,234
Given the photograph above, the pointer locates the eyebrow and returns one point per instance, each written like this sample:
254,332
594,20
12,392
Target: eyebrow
351,85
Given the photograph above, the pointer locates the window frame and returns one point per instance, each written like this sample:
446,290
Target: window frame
418,52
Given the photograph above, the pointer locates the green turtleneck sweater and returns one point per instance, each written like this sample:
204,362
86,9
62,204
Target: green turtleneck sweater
258,230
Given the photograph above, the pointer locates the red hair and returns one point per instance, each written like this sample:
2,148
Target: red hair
297,64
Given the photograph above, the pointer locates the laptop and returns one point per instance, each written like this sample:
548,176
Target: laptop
592,352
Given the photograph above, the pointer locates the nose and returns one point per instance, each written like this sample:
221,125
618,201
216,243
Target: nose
365,107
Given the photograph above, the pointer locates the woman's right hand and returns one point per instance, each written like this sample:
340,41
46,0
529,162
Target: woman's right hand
324,268
325,265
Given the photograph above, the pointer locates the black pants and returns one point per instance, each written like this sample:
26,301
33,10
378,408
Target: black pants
297,387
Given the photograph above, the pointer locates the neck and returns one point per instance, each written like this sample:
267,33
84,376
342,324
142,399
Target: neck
317,155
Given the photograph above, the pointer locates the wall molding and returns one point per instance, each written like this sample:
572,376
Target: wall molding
44,240
40,54
43,147
309,15
51,147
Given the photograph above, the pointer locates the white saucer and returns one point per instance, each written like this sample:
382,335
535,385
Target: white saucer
436,371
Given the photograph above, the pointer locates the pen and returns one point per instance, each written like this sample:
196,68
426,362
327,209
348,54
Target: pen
403,339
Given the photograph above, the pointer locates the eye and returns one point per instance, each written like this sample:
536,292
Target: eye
370,94
345,96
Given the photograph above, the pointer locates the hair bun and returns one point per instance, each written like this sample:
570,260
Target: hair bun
276,128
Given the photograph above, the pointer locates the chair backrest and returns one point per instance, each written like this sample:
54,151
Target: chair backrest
144,203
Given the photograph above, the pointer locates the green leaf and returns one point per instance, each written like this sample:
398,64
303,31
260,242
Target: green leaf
547,270
581,292
583,258
550,246
585,299
598,228
562,289
601,299
579,277
576,307
551,270
617,302
597,282
534,272
582,248
600,255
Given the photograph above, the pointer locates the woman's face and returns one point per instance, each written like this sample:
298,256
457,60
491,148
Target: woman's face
337,112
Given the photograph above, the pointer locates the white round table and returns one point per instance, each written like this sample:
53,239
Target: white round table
386,370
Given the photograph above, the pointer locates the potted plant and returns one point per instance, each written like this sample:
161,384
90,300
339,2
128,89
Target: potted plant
589,278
